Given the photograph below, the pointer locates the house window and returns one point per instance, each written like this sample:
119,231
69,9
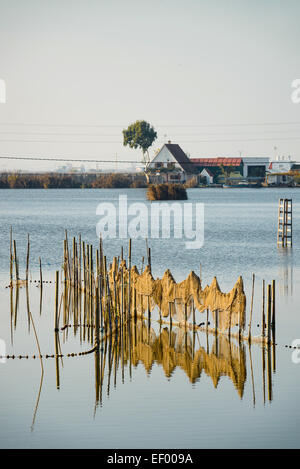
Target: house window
171,165
158,165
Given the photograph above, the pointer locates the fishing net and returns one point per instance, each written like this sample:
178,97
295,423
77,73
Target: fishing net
179,299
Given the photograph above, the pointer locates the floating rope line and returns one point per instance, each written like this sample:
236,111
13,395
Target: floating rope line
69,355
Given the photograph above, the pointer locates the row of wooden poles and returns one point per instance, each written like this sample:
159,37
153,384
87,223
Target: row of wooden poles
85,273
14,262
116,307
83,276
268,319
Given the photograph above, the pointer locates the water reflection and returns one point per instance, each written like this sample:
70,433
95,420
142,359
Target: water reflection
178,348
149,343
286,273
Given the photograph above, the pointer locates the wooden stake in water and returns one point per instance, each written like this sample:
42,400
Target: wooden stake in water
251,307
171,324
134,304
65,283
68,258
91,269
80,260
84,268
263,319
16,262
56,339
269,370
105,282
101,254
115,299
65,262
27,258
74,266
269,313
97,318
97,265
41,274
76,280
56,328
129,277
11,257
216,321
148,307
149,259
122,294
194,316
273,309
108,304
100,304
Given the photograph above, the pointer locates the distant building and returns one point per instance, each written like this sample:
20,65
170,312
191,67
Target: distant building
281,164
67,168
236,168
208,175
255,167
170,165
215,167
216,162
282,171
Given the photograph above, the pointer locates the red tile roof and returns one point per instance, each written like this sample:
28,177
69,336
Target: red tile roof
216,161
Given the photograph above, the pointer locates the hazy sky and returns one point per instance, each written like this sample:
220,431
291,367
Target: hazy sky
78,71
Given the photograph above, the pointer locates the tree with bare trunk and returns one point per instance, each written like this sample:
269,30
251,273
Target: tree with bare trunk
141,135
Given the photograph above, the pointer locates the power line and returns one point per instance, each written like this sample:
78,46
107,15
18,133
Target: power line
96,134
260,139
243,124
39,124
55,141
31,158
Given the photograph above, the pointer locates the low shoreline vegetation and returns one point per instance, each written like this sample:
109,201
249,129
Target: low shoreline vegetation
166,192
19,180
71,181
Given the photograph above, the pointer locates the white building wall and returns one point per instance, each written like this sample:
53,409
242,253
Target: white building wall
209,178
254,161
165,157
281,166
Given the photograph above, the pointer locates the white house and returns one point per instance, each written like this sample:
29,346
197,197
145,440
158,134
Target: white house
281,165
170,165
208,175
278,170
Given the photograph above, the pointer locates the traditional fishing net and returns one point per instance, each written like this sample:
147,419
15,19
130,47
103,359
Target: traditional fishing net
179,299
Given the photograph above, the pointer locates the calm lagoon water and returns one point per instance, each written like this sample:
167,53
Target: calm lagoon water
155,396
